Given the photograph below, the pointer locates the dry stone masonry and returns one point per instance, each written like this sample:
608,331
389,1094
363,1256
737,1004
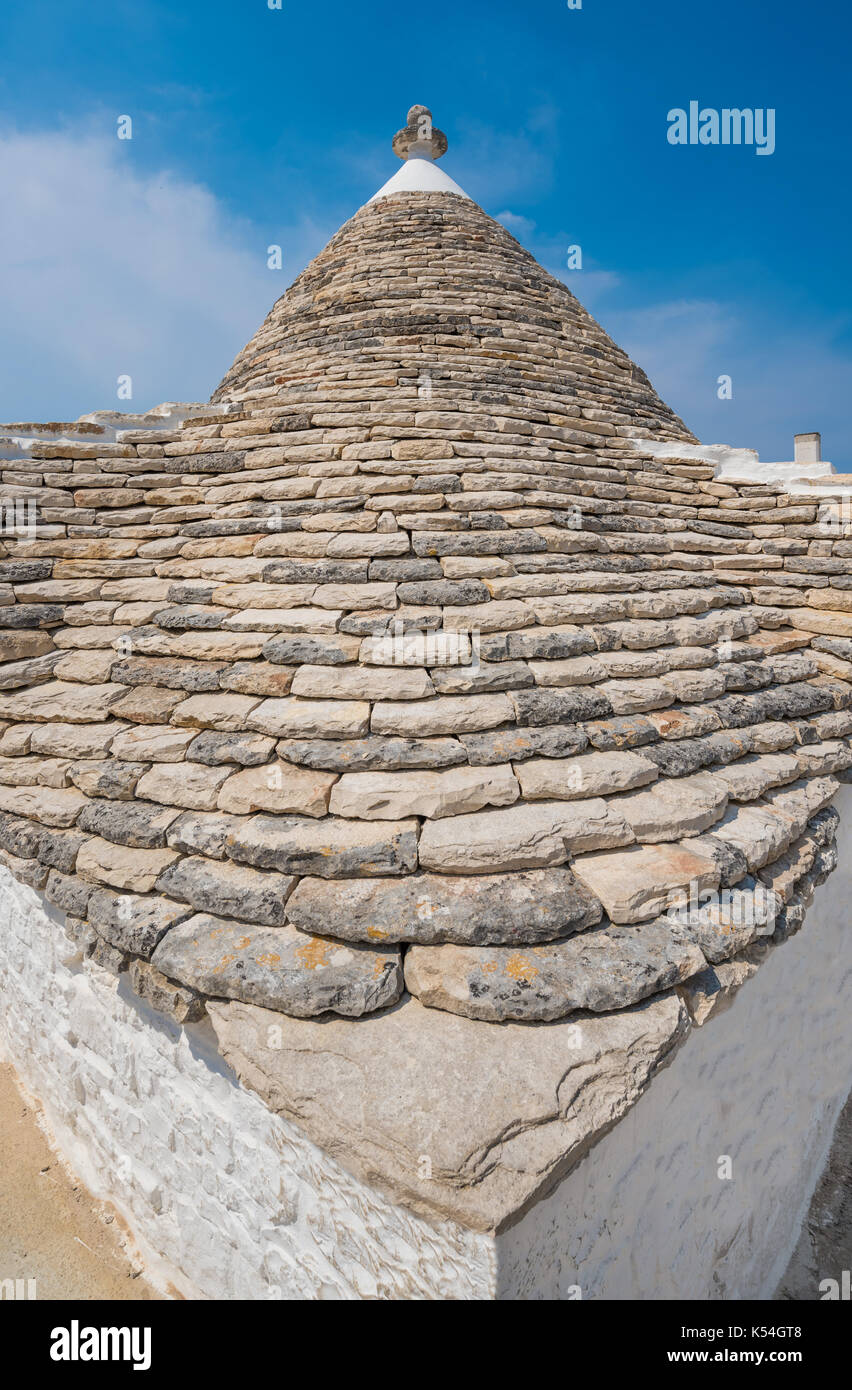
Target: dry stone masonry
409,672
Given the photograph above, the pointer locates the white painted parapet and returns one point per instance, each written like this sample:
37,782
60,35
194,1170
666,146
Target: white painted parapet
739,465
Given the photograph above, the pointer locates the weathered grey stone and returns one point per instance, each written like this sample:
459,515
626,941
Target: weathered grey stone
823,826
543,706
373,754
516,745
329,848
201,833
508,543
518,908
404,570
316,572
106,956
553,1090
280,968
680,759
728,921
317,650
28,871
140,825
443,591
605,968
176,1001
107,777
232,890
247,750
68,892
612,734
56,848
542,644
133,922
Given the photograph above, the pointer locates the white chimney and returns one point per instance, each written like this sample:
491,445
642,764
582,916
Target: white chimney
807,448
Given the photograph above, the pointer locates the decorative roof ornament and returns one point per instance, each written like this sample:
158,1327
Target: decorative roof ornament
418,138
419,145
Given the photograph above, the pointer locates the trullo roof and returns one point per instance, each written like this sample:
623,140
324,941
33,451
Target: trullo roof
403,681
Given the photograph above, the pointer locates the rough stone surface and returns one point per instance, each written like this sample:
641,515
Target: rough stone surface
279,968
332,848
229,889
523,837
500,1111
390,795
277,787
527,906
604,968
637,883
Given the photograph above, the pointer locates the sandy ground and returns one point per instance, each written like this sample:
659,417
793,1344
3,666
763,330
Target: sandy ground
51,1227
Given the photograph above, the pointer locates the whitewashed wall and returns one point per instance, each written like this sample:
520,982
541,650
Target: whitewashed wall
236,1203
646,1215
225,1199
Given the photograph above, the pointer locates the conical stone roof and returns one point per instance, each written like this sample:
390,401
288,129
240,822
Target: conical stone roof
423,306
403,667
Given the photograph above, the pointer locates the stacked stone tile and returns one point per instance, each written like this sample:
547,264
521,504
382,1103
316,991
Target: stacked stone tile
402,666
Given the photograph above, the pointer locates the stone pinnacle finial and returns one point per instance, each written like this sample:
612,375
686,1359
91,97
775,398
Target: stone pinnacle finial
418,138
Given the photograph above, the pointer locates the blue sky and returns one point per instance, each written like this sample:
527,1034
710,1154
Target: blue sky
254,126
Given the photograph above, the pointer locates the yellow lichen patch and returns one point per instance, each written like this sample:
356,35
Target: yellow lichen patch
376,934
268,958
518,967
488,966
314,953
223,964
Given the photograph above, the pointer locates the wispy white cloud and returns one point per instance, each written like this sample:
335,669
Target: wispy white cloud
111,271
785,379
518,225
